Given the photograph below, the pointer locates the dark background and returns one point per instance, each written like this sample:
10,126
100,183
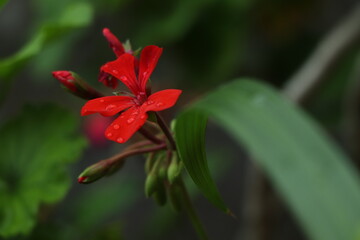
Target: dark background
206,43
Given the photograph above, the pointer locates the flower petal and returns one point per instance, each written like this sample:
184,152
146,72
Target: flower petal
114,42
123,69
108,80
162,100
148,60
107,106
126,124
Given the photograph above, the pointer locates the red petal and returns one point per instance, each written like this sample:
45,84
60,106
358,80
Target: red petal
162,100
123,69
114,42
148,60
108,80
107,106
126,124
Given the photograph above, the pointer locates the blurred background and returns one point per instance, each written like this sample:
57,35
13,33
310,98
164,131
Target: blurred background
206,43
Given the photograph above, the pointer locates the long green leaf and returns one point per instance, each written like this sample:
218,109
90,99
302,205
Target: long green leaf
314,177
191,144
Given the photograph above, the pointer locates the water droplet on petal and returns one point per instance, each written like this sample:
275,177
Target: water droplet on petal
159,104
150,102
121,116
130,120
142,116
115,71
124,78
116,126
109,134
145,73
120,140
135,113
110,107
102,100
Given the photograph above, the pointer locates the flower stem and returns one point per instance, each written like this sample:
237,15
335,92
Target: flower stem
131,152
140,144
150,136
166,130
187,205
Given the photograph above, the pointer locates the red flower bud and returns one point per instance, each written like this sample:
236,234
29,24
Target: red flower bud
82,179
66,78
114,43
74,84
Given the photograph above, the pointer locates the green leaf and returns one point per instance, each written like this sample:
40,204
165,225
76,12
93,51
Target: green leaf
2,3
314,177
35,149
191,145
75,16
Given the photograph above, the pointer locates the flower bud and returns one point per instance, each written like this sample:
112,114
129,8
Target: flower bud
114,42
152,184
149,163
153,180
175,196
94,172
160,195
163,172
75,85
174,169
66,78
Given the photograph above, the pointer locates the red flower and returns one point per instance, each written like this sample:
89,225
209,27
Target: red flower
119,50
136,106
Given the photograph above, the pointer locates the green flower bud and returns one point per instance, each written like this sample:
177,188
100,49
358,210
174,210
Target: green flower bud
175,197
149,163
152,184
174,169
160,195
153,180
94,172
162,172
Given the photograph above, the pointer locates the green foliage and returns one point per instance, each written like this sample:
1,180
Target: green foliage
74,16
2,3
313,176
35,149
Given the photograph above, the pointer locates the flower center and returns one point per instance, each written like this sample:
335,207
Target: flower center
140,98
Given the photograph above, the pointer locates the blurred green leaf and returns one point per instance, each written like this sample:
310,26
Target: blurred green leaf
102,203
76,15
35,149
316,180
2,3
174,24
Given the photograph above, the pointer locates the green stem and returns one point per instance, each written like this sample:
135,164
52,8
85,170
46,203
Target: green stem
166,130
189,208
